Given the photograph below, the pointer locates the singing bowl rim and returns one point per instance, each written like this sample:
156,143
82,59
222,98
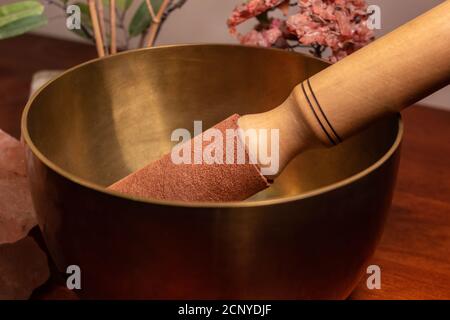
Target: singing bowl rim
234,204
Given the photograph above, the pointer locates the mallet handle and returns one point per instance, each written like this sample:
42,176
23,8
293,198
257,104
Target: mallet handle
386,76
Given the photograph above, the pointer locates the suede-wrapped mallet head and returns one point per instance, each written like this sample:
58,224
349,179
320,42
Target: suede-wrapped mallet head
164,180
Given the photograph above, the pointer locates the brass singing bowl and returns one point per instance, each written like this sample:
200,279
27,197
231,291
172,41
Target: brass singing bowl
310,235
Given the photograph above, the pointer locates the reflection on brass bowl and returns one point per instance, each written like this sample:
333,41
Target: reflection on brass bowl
308,236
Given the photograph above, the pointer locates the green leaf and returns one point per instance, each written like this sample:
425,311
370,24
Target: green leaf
21,26
19,10
141,19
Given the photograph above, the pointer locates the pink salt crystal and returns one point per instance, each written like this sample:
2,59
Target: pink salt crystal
17,215
23,267
12,155
16,209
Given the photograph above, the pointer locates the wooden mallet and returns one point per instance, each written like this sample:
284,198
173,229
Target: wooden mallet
383,78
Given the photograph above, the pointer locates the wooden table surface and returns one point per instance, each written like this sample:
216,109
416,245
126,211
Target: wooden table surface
414,254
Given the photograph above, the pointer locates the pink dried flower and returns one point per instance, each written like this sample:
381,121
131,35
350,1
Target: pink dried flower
264,35
340,25
250,9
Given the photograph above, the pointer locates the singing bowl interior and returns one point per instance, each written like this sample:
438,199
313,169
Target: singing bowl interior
104,119
107,119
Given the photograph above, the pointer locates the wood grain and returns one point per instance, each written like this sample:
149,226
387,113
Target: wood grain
414,254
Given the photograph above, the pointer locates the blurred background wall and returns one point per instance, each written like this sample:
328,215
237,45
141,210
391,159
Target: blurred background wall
204,21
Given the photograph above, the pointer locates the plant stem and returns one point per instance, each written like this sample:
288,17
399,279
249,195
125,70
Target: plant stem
317,50
176,5
172,6
112,32
122,26
150,10
101,18
117,18
87,33
96,28
142,40
154,27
